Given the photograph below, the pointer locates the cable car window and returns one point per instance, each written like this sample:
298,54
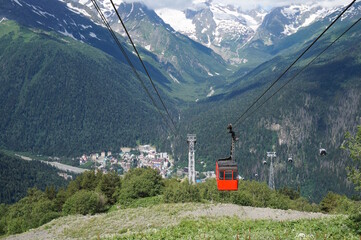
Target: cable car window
235,175
221,173
228,175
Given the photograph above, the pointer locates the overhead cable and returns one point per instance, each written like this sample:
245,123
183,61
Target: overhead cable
307,65
128,60
140,59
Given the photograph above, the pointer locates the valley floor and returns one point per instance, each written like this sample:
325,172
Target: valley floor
188,220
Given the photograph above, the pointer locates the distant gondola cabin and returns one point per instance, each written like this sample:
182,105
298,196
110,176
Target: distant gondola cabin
227,175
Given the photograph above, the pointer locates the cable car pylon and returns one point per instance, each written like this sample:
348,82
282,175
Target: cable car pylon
191,139
271,179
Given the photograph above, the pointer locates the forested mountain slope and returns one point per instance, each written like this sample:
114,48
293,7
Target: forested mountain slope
60,96
18,175
314,110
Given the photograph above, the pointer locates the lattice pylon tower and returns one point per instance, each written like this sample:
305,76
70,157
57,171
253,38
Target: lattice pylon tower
271,179
191,139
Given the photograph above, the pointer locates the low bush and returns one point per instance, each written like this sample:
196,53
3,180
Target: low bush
84,202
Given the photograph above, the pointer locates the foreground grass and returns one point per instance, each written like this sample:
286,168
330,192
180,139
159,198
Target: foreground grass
234,228
151,220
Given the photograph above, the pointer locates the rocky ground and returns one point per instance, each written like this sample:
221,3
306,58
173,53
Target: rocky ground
142,219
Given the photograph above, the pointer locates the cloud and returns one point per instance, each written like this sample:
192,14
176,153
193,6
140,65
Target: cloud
243,4
268,4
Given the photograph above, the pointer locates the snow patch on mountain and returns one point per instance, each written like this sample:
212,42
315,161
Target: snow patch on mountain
105,6
93,35
66,33
211,93
177,20
77,10
223,28
39,11
352,12
16,1
85,27
174,78
3,19
252,22
302,16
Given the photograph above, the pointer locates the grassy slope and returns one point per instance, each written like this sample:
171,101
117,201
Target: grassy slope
190,221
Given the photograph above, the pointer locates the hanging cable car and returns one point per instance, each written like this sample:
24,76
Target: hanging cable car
227,169
290,159
323,152
264,162
227,175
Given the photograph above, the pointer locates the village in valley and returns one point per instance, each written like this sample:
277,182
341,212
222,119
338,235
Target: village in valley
141,156
127,158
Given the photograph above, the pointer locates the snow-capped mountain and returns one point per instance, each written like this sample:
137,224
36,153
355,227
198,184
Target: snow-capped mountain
229,30
184,59
223,28
73,20
243,38
284,22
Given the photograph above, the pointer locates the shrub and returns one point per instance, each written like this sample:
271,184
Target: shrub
334,203
84,202
3,214
279,201
241,198
16,225
140,183
108,185
303,204
354,222
48,217
29,212
292,194
181,192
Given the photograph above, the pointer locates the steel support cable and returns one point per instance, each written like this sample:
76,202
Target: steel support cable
128,60
140,59
307,65
294,62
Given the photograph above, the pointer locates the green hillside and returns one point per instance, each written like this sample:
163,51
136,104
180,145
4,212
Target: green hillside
63,97
60,96
18,175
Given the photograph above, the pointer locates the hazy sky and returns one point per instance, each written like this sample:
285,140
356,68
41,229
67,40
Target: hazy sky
244,4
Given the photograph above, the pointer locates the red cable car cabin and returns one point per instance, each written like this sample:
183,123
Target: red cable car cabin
227,175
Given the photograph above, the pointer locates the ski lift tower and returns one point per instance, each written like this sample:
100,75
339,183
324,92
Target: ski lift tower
271,180
191,139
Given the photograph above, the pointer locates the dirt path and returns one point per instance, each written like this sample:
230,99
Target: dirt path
154,217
